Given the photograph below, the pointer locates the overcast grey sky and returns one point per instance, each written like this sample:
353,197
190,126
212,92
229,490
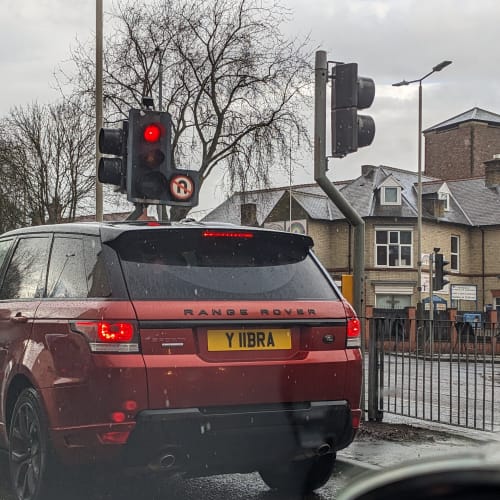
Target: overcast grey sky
391,40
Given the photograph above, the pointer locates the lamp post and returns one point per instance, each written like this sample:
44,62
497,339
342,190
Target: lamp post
402,83
98,106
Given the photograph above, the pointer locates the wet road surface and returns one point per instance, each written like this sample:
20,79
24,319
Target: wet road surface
234,486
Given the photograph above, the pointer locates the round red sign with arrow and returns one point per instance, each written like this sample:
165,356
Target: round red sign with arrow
181,187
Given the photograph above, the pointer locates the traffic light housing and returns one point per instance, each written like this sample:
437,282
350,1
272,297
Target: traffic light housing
439,272
151,175
112,170
350,93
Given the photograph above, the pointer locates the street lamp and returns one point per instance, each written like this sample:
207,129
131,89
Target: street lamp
402,83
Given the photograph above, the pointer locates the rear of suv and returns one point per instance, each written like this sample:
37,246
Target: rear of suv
186,348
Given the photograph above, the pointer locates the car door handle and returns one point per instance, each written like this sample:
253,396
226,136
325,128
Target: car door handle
19,318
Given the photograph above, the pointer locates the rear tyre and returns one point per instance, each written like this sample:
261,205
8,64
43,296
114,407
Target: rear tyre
31,460
301,476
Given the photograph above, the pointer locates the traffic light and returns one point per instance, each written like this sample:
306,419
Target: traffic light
350,131
439,272
151,176
113,142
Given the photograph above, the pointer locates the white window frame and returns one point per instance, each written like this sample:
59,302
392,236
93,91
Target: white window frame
446,198
388,244
455,254
384,200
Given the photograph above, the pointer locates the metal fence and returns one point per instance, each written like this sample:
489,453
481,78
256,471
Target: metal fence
443,371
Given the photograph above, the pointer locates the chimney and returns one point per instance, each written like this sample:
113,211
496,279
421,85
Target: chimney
492,172
367,170
248,214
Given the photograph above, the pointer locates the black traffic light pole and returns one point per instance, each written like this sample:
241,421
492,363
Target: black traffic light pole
321,79
431,290
357,127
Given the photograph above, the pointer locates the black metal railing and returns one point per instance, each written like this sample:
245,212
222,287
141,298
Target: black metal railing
440,370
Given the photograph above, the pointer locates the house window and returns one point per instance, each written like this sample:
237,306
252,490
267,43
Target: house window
392,301
393,247
391,196
446,198
455,253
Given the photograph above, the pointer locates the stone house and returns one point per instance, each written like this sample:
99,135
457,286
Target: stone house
460,216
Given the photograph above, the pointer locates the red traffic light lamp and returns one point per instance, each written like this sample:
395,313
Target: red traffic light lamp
150,156
152,132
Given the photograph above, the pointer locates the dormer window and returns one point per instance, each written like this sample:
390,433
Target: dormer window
391,195
444,195
389,191
446,198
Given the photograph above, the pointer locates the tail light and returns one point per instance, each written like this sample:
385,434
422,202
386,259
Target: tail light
353,332
356,418
109,336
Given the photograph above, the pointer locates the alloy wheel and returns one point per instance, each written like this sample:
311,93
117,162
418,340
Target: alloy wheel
25,451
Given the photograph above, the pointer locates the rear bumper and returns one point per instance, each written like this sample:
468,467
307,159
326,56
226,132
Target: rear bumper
237,439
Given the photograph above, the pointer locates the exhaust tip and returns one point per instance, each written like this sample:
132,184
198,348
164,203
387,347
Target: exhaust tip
163,462
324,449
167,461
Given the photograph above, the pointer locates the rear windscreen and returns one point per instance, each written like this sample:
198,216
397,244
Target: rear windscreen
198,265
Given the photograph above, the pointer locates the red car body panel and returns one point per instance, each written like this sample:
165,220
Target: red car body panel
95,401
16,321
187,374
82,390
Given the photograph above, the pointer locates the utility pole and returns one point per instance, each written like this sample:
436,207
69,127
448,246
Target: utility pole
98,107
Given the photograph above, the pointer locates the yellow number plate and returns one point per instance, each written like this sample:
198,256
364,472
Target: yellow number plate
260,339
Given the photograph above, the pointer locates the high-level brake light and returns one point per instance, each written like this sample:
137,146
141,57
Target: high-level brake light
227,234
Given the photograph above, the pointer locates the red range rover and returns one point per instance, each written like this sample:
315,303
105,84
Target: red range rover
186,348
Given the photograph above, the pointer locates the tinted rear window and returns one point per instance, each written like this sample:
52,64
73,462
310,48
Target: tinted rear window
185,265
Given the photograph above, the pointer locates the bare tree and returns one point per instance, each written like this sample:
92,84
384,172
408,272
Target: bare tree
47,153
233,82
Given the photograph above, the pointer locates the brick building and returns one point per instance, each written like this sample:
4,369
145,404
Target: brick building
460,215
457,148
